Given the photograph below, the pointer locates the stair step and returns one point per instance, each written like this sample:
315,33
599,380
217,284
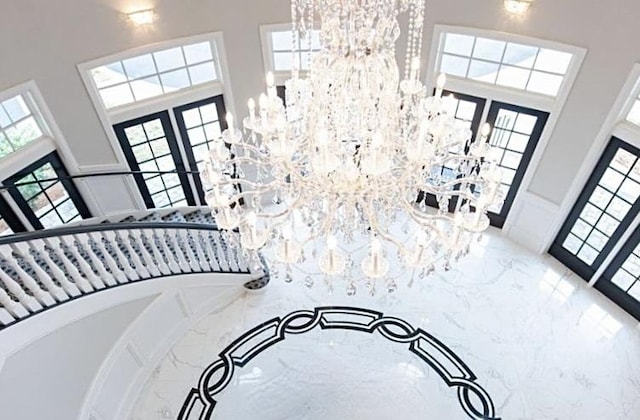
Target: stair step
153,217
174,217
199,217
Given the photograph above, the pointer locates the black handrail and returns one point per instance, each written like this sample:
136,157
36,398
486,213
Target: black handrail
102,227
96,174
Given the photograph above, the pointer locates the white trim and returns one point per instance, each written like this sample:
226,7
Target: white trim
552,105
595,152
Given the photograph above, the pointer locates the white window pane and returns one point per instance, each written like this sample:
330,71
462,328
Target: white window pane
618,208
282,61
507,175
5,146
597,240
146,88
212,131
590,214
623,161
171,180
196,135
600,197
191,118
24,132
117,95
547,84
630,190
634,114
209,113
315,42
553,61
169,59
611,180
489,49
632,265
466,110
572,244
175,80
50,220
520,55
135,134
16,108
588,254
109,75
138,67
483,71
458,44
506,119
513,77
581,229
198,53
282,40
525,123
511,160
518,142
4,118
202,73
623,280
154,129
161,200
454,66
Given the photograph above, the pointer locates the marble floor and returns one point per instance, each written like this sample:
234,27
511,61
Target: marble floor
540,342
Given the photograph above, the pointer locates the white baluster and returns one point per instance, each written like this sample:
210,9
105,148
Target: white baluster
148,259
14,308
225,257
172,237
183,236
88,272
36,290
70,288
116,271
96,262
56,247
163,239
205,237
22,249
200,251
122,259
151,239
29,302
135,258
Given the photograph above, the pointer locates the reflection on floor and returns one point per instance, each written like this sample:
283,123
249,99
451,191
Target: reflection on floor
541,343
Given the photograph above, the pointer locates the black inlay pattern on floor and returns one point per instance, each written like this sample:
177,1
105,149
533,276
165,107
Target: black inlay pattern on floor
474,400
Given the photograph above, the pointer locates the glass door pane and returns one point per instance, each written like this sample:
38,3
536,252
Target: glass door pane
150,146
48,198
467,110
515,135
620,282
201,124
604,210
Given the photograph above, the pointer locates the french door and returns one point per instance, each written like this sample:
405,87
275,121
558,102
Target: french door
515,135
153,144
604,211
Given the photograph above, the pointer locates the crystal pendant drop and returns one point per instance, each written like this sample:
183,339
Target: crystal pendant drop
391,286
351,289
308,282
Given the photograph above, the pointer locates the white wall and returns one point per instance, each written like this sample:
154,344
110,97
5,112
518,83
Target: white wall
45,40
50,377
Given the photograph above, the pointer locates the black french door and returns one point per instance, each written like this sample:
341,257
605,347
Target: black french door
515,135
9,222
152,144
200,125
49,200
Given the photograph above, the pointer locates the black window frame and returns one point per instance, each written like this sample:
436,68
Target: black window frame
63,177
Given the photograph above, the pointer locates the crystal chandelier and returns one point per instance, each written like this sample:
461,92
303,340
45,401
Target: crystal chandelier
351,151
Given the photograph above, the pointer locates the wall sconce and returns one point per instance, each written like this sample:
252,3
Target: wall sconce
517,7
142,17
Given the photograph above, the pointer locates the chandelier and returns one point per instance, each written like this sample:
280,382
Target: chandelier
351,151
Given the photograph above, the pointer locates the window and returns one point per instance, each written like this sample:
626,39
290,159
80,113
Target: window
149,145
500,62
155,73
604,210
48,198
18,124
280,49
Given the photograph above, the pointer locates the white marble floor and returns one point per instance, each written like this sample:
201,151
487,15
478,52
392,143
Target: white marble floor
542,344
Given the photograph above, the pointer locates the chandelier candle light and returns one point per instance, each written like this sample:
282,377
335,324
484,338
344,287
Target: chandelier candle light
351,151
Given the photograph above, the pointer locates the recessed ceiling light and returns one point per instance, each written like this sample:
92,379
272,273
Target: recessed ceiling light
142,17
517,7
